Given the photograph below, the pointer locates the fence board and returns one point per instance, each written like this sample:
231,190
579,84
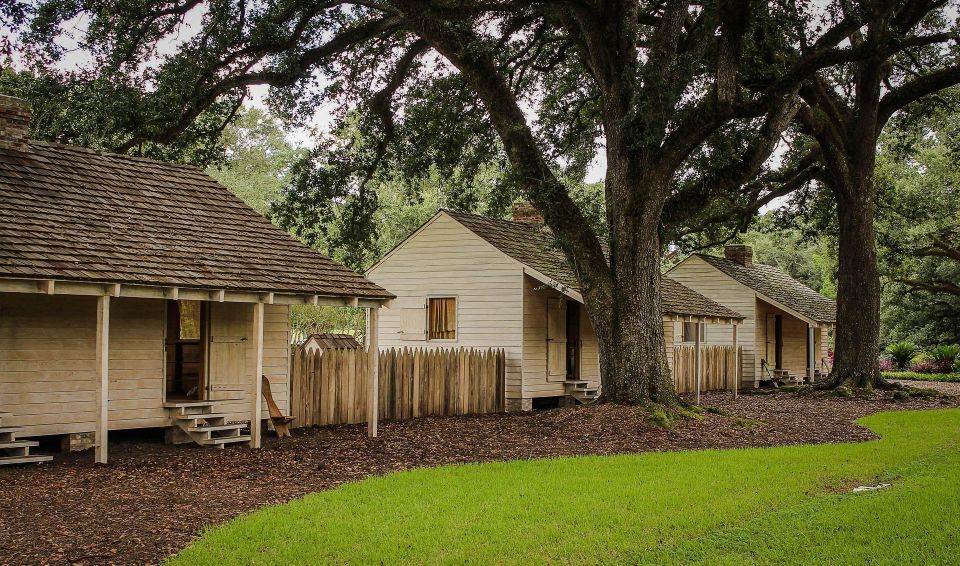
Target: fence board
717,363
331,386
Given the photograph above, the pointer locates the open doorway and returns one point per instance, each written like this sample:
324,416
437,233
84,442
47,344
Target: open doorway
573,340
186,328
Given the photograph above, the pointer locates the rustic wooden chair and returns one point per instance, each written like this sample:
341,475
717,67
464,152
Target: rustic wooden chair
281,422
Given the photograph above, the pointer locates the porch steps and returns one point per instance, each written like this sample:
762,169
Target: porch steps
13,451
198,420
580,390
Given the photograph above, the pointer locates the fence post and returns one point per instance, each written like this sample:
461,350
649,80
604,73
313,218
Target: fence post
373,350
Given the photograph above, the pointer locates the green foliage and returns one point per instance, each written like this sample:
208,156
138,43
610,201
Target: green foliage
100,114
902,353
307,319
654,508
918,170
945,353
257,159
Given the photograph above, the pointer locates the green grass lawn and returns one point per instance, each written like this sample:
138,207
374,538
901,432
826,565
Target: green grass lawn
785,504
921,376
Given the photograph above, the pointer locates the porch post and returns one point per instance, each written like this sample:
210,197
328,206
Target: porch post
103,377
811,342
736,362
256,409
373,362
698,358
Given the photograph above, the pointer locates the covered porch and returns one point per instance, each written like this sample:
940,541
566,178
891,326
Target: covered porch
791,346
80,359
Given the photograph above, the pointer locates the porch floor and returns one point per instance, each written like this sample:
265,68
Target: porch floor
153,499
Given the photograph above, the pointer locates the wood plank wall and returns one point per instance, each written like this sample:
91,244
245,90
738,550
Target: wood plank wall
718,368
331,386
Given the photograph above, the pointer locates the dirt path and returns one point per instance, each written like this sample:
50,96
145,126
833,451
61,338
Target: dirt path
152,499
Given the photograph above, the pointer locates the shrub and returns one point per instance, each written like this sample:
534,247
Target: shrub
944,354
933,367
887,364
902,352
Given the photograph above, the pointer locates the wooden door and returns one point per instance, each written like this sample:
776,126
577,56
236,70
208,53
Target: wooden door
556,340
227,352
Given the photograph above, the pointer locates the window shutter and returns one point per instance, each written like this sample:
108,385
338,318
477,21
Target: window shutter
556,340
413,318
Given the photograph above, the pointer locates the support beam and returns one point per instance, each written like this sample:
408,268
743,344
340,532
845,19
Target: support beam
811,342
736,362
373,361
257,396
103,378
698,359
49,287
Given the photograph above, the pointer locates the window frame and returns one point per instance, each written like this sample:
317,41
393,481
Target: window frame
702,326
456,315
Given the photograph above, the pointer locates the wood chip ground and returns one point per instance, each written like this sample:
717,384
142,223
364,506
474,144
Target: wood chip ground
153,499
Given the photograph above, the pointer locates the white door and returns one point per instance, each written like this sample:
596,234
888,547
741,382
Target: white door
556,340
229,336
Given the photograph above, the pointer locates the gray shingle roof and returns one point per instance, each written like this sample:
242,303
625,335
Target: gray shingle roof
777,285
534,247
74,214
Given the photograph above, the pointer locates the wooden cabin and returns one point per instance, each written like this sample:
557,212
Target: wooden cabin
140,294
463,280
785,332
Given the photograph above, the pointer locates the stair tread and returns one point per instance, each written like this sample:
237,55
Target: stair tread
226,440
19,444
184,404
5,429
5,460
201,416
216,427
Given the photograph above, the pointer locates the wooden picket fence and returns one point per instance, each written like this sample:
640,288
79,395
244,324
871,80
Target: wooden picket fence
718,368
332,386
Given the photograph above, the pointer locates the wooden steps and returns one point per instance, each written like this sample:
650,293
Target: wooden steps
13,451
580,390
198,421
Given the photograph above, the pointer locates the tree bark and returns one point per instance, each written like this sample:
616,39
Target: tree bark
858,290
628,319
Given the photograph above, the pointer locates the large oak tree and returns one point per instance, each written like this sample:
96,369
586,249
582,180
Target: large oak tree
688,98
913,54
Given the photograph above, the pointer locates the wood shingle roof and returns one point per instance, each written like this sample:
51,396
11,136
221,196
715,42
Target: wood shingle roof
534,247
70,213
777,285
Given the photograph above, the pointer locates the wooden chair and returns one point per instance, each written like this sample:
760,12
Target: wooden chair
281,422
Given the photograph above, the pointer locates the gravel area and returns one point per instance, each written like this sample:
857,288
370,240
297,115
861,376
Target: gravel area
153,499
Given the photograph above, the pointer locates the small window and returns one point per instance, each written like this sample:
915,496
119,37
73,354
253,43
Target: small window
689,328
189,312
442,322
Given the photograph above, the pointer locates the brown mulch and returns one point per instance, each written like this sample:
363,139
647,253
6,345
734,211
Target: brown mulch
153,499
945,387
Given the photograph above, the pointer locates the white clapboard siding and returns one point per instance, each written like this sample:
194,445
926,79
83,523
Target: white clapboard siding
444,259
47,357
713,284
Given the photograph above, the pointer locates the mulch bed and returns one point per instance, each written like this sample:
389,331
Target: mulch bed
153,499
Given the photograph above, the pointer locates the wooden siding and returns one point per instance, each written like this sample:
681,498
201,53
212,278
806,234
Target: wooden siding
711,283
47,356
446,259
276,355
535,383
794,339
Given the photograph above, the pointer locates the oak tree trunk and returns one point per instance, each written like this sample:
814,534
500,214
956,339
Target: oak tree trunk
858,290
628,320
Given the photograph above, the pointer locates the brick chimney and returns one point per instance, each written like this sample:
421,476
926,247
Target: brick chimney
739,253
523,211
14,123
